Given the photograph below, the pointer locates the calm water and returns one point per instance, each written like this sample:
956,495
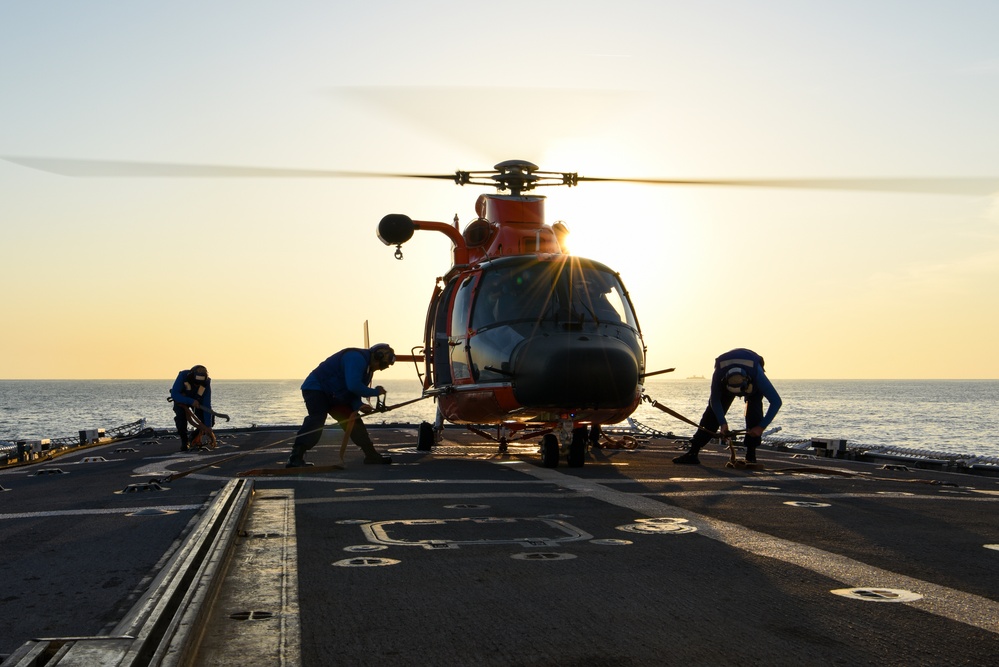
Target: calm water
955,416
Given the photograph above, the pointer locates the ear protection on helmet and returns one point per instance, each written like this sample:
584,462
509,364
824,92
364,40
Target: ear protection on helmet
737,381
383,354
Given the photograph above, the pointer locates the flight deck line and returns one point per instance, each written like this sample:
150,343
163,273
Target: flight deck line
100,510
164,625
967,608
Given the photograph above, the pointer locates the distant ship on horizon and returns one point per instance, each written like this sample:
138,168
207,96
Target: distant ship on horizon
696,377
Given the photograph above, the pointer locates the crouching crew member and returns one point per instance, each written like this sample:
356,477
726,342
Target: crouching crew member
192,404
738,372
336,388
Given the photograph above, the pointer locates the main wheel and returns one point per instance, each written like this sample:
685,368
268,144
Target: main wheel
577,448
549,451
425,439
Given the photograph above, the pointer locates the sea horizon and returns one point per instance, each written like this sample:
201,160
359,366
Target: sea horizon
947,415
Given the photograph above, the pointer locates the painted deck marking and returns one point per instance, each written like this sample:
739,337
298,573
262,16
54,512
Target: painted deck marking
967,608
877,594
102,510
456,533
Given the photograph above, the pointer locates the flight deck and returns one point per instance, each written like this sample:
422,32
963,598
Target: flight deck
147,555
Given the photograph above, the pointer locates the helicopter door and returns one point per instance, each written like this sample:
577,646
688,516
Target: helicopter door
438,337
458,333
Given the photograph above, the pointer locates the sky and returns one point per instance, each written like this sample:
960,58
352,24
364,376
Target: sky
121,277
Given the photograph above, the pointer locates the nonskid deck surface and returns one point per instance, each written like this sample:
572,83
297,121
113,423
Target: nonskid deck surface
465,554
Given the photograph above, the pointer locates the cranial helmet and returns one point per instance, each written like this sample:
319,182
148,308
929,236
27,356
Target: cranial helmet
737,381
382,353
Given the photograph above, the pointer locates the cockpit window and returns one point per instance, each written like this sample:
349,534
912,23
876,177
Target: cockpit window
570,292
601,298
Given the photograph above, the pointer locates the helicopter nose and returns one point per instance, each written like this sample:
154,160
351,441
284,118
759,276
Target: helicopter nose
581,371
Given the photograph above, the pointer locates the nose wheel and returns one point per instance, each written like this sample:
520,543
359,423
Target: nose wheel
549,450
575,452
576,456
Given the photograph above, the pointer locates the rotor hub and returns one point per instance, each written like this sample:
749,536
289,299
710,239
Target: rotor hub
517,176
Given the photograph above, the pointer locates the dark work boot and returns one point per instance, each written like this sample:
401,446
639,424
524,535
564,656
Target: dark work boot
372,455
297,459
690,458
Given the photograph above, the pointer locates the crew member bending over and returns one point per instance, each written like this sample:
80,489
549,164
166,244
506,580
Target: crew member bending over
336,388
738,372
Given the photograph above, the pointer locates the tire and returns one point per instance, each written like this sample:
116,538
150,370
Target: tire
425,440
577,448
549,451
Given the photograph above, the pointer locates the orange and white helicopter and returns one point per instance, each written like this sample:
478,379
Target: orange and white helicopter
519,334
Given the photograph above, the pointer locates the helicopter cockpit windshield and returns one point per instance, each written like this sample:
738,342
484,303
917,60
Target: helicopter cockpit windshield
516,298
571,293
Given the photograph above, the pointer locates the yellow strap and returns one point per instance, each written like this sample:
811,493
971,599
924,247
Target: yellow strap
346,435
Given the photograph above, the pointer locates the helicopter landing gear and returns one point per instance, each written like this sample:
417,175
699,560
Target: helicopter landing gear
575,452
503,435
426,438
549,450
577,448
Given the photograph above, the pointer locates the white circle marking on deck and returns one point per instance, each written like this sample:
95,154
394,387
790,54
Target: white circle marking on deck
151,511
365,562
877,594
362,548
658,528
542,555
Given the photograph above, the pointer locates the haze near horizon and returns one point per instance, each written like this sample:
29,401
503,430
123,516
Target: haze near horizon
257,278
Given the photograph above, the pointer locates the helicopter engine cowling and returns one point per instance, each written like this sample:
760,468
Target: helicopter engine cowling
587,371
396,229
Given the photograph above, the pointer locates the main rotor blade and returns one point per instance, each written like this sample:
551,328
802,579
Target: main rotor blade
951,186
128,169
114,168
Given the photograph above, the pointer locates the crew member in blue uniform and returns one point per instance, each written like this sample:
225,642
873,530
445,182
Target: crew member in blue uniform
192,390
335,388
738,372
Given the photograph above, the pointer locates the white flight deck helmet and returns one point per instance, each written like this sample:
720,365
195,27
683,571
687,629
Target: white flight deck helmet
737,381
382,354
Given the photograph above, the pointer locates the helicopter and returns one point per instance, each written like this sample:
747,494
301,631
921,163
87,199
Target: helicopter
518,331
519,334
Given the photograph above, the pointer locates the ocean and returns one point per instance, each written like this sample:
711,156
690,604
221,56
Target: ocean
954,416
